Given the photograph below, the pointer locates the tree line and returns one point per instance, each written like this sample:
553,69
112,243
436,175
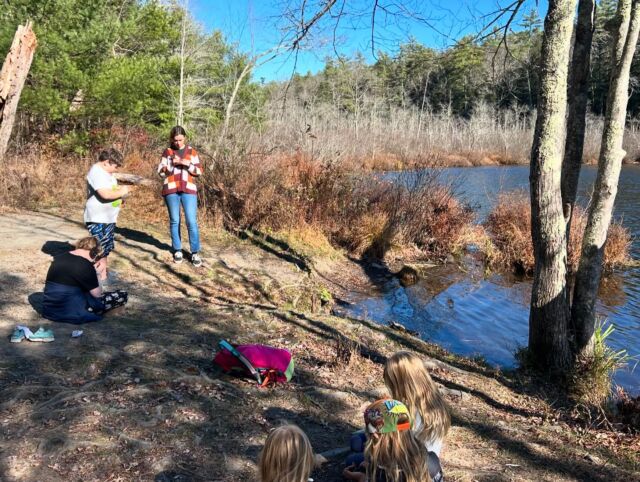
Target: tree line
489,69
106,61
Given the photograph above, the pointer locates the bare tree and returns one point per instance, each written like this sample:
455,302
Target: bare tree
183,55
549,315
606,185
578,96
12,77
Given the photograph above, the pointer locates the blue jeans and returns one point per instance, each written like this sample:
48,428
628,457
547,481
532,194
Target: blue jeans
190,205
357,443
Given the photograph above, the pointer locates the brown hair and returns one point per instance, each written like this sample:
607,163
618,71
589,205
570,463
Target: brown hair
408,380
91,244
400,454
287,456
176,131
112,155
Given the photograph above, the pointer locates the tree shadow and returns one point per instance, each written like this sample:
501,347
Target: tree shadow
557,463
276,247
175,475
142,237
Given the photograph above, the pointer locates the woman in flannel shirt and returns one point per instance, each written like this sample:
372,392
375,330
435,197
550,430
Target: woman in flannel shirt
179,167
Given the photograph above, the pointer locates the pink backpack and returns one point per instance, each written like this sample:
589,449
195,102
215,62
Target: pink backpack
264,363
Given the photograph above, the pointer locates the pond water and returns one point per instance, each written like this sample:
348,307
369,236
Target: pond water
470,314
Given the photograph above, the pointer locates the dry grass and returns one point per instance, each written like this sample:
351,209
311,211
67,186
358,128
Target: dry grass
378,137
319,205
367,215
509,227
48,178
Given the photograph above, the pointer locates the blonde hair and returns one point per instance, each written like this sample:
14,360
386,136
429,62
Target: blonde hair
399,454
409,381
91,244
287,456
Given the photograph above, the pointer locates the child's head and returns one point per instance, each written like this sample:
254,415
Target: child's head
111,159
392,445
90,244
177,137
287,456
408,380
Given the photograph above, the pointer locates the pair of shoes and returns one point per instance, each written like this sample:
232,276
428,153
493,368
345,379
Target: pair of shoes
41,335
196,260
177,257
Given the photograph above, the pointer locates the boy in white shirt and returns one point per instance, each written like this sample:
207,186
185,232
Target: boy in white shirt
104,198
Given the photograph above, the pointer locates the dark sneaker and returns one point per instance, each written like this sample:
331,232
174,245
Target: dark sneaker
196,260
177,257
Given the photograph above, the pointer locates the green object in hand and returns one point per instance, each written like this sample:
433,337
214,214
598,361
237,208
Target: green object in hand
117,202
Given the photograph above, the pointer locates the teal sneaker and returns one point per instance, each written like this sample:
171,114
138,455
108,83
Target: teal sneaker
42,335
17,336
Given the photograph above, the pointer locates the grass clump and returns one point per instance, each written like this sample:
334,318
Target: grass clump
509,229
591,381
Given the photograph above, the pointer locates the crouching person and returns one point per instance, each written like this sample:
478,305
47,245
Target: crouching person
72,293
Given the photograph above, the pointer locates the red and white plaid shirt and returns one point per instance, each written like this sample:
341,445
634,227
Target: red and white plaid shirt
179,178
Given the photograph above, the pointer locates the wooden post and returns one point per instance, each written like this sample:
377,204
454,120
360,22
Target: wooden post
12,76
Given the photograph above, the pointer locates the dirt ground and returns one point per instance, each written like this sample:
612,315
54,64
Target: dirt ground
137,397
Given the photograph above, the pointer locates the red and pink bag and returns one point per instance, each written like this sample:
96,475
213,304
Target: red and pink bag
264,363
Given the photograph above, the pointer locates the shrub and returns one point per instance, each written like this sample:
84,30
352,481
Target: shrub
509,227
367,215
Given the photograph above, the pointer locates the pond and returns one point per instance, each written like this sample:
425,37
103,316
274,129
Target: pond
470,314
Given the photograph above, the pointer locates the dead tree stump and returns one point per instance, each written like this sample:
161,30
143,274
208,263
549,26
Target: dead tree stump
12,77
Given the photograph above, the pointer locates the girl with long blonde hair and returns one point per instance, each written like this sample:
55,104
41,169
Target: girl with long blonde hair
392,452
408,380
287,456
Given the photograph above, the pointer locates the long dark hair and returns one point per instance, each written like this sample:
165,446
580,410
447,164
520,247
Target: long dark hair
176,131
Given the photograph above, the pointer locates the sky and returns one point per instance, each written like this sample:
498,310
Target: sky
255,26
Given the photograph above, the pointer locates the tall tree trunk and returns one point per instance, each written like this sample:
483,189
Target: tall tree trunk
549,313
12,76
577,101
183,41
606,185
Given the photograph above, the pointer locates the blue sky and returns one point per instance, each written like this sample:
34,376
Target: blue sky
254,25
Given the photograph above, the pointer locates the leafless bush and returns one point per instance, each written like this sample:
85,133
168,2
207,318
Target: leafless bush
37,177
382,138
359,211
509,226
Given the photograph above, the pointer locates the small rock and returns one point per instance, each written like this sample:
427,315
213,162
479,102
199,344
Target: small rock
399,327
593,459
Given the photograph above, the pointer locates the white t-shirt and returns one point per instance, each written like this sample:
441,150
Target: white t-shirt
434,444
95,210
